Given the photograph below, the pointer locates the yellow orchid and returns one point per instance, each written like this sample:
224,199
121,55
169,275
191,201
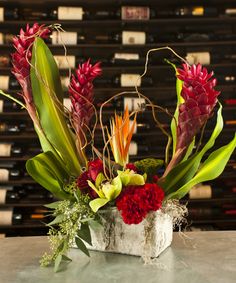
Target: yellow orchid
122,130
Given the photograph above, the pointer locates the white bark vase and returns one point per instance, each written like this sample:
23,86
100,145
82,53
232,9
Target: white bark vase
147,239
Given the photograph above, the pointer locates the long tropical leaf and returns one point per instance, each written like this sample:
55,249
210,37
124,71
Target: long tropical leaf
184,171
48,97
212,167
44,169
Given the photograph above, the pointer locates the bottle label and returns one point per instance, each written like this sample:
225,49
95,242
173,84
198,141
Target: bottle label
1,38
70,13
65,81
6,217
1,106
4,175
65,62
130,80
1,14
198,11
5,149
133,103
126,56
4,82
67,38
133,37
135,13
67,103
3,194
133,148
200,192
230,11
203,58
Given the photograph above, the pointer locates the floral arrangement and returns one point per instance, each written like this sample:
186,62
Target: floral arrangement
85,187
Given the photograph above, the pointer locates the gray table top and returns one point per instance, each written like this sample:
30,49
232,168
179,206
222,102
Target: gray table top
201,257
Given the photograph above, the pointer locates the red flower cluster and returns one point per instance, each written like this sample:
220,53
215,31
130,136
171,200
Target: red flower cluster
136,201
131,166
23,45
200,98
94,168
81,93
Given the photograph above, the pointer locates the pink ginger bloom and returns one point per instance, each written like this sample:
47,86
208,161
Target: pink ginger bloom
200,99
22,56
81,94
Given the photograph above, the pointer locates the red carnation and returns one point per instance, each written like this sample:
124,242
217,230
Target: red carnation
136,201
94,168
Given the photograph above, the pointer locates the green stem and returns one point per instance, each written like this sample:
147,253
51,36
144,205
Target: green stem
13,98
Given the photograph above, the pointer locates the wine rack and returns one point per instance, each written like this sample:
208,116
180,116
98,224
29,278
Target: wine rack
208,30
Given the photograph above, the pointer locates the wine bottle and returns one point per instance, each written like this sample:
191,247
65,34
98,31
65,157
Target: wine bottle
207,192
133,103
137,149
8,14
4,61
59,13
127,59
206,58
195,11
125,80
67,38
127,38
9,106
6,38
204,212
9,128
230,11
10,196
9,217
7,82
10,174
9,149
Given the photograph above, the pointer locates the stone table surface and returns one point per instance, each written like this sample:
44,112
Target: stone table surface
197,257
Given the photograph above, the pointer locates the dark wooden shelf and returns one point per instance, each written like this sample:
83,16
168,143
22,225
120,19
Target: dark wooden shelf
25,204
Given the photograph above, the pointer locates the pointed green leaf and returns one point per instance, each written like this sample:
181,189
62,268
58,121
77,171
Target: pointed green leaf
48,99
179,85
184,171
100,178
98,203
81,246
84,233
212,167
57,262
48,173
52,205
66,258
99,192
58,219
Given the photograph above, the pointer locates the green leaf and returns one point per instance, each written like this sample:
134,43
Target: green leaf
179,85
58,219
81,246
184,171
46,171
100,178
52,205
57,262
99,192
212,167
48,99
97,203
84,233
66,258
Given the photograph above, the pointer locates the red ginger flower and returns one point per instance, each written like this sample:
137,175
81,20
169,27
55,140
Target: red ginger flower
200,98
81,94
21,58
136,201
